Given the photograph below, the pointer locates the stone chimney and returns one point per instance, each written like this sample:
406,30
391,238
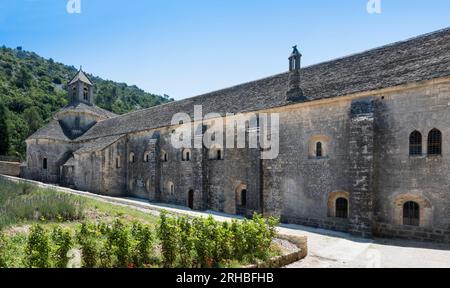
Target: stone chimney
295,92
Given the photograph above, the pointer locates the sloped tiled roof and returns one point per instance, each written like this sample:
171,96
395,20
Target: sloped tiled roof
422,58
55,131
70,162
85,108
98,144
80,77
52,131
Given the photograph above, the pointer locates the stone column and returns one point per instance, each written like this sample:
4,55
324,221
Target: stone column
200,169
361,148
155,169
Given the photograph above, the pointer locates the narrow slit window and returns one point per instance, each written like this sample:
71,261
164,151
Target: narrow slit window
319,152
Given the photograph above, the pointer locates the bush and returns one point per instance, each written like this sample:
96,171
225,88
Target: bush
207,243
3,243
49,206
142,246
206,240
119,243
23,201
87,238
168,233
62,240
187,243
38,248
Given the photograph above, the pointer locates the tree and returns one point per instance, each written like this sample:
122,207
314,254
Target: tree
4,130
23,79
33,117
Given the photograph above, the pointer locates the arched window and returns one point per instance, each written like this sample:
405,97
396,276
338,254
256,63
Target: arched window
44,164
342,208
147,157
415,143
319,147
219,154
117,162
132,158
435,142
85,94
172,188
319,152
164,156
411,214
186,155
216,153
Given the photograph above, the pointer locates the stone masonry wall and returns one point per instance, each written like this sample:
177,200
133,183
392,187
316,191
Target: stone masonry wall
297,184
423,234
10,168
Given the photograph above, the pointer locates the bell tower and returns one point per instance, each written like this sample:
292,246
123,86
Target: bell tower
81,89
295,92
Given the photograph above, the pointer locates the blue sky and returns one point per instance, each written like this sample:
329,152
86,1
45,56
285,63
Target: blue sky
187,47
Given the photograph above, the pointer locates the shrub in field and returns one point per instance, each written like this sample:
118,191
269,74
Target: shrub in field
208,243
62,240
143,240
106,253
187,243
88,239
119,243
240,247
207,237
226,242
3,243
42,204
263,232
38,248
23,201
168,234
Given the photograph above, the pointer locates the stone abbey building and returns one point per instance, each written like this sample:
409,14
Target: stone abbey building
364,145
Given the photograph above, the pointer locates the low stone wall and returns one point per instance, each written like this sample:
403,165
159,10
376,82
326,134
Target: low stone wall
10,168
340,225
385,230
286,259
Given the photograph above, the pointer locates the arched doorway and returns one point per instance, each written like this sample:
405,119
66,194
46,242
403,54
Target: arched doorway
241,200
244,198
191,199
411,214
342,208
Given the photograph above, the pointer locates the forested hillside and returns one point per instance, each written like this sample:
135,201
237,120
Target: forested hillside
32,89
